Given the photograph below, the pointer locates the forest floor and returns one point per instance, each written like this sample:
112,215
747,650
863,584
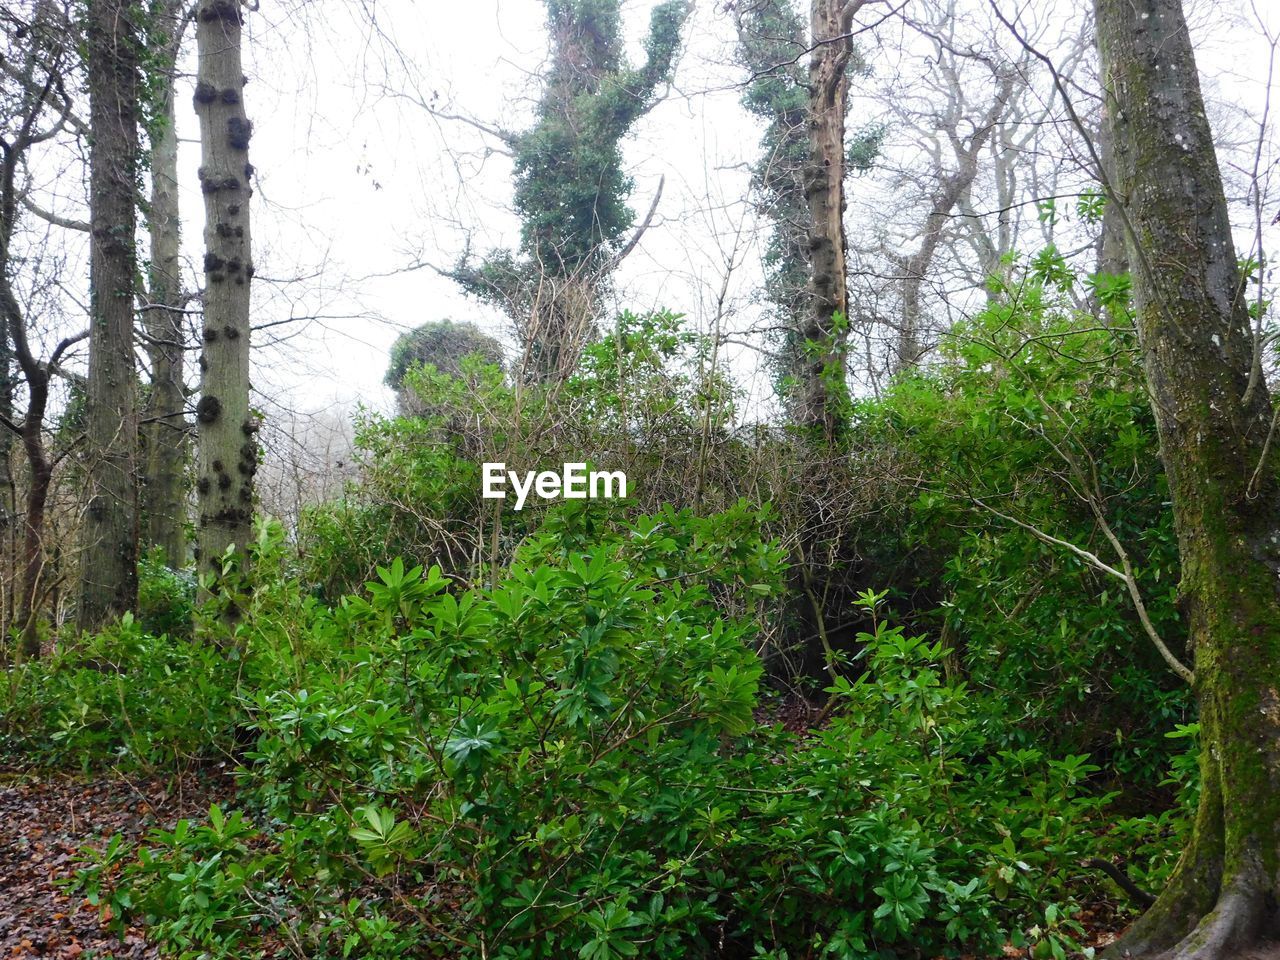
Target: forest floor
45,820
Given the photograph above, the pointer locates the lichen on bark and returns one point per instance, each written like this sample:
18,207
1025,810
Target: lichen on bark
1198,355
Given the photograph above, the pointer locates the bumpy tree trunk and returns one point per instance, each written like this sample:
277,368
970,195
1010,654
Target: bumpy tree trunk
1213,436
108,558
165,427
228,453
821,353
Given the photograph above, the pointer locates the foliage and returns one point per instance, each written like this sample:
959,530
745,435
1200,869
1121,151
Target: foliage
122,695
144,693
571,189
166,598
644,399
1041,415
549,733
443,345
570,764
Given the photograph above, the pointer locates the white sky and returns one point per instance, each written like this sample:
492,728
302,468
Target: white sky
355,181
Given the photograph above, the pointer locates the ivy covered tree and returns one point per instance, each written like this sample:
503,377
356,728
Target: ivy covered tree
164,430
109,536
442,344
771,38
571,189
798,85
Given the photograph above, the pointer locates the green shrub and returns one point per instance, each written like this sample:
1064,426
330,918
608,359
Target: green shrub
123,695
1040,414
572,763
166,599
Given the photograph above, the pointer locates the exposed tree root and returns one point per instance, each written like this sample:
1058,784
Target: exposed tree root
1123,881
1191,890
1235,922
1244,916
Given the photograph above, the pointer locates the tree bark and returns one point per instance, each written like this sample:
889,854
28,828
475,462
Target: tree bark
1113,259
821,355
108,558
8,486
165,428
1214,435
226,429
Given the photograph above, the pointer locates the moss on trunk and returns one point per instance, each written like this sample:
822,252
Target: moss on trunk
109,541
1213,427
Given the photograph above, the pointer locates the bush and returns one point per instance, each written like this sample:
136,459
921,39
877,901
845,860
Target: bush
572,764
1041,416
166,599
125,696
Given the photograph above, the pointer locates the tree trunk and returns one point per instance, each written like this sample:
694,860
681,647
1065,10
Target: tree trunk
165,426
108,558
8,487
1113,259
1213,438
820,355
32,562
228,451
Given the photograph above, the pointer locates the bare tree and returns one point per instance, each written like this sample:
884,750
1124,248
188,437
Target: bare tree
956,132
40,97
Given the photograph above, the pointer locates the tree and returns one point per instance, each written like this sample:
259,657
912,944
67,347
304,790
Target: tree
164,493
444,345
571,190
108,563
226,427
967,130
821,392
1216,424
39,97
799,184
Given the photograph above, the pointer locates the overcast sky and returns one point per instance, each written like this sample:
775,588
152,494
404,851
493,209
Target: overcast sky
356,181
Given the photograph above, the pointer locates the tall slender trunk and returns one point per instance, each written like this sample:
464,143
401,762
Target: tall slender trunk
108,556
821,354
8,487
32,558
1215,432
228,453
165,428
